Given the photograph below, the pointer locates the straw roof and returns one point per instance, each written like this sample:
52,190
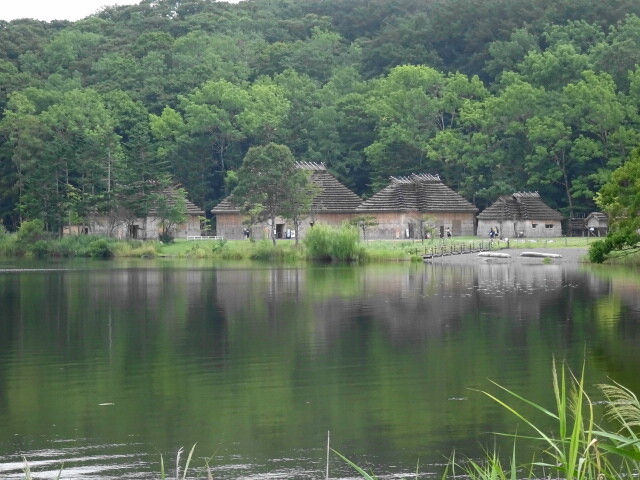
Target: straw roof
520,206
170,194
417,192
333,196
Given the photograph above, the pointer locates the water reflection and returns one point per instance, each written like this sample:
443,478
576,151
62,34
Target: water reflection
107,368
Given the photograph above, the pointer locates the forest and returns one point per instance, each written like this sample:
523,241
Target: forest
495,96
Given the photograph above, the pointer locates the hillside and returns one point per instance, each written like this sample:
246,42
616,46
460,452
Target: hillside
495,96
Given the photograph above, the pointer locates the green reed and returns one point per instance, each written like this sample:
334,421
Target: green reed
578,449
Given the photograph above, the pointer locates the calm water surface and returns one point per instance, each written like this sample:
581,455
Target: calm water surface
107,366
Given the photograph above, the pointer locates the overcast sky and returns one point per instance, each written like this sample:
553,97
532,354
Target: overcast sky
55,9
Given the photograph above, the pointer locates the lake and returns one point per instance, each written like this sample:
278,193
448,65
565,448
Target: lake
107,367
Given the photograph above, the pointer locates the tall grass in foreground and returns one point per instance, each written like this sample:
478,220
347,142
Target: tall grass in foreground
579,448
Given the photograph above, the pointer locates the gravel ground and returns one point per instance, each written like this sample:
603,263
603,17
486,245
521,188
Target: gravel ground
569,256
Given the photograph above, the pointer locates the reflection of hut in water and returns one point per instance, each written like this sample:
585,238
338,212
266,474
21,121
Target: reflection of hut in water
410,308
521,214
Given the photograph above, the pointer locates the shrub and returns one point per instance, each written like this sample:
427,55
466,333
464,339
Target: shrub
619,240
100,248
30,232
327,243
72,246
218,246
166,237
317,241
345,244
39,249
598,251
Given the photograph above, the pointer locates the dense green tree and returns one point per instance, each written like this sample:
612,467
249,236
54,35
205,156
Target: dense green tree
270,185
620,53
620,199
505,55
169,206
412,104
367,87
620,196
23,141
554,68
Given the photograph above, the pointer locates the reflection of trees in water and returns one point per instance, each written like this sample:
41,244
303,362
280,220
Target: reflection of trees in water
295,345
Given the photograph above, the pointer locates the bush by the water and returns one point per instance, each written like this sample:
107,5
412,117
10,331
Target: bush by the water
265,250
100,248
601,249
323,242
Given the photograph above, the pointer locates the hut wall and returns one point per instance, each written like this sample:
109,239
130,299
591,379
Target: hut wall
147,230
521,228
403,225
229,225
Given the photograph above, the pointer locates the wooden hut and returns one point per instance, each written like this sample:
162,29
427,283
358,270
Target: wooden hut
597,224
521,214
123,224
407,203
333,204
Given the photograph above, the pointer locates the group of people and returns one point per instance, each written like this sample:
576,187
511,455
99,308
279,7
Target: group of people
494,233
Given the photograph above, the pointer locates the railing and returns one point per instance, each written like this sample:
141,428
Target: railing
445,249
204,237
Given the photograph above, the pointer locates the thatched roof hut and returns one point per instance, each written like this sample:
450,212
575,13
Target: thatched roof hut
408,201
521,214
333,204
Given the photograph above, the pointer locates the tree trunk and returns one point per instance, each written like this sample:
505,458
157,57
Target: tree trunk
273,230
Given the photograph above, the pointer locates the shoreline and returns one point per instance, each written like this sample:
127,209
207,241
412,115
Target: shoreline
570,255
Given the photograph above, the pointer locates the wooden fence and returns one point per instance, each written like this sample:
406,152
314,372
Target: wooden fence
459,248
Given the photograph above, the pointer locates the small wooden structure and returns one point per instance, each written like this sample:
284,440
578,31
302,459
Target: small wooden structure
333,204
419,200
597,223
521,214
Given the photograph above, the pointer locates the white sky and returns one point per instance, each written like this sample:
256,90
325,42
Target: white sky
55,9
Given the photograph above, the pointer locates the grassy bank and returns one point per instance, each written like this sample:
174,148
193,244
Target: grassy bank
41,246
628,257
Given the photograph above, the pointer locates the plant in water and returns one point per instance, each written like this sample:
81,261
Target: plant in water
623,409
490,468
580,449
364,474
185,471
27,471
574,452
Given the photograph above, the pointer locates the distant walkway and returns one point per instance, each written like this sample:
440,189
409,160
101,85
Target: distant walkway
570,256
454,248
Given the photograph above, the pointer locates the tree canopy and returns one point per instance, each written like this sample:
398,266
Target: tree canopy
495,96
